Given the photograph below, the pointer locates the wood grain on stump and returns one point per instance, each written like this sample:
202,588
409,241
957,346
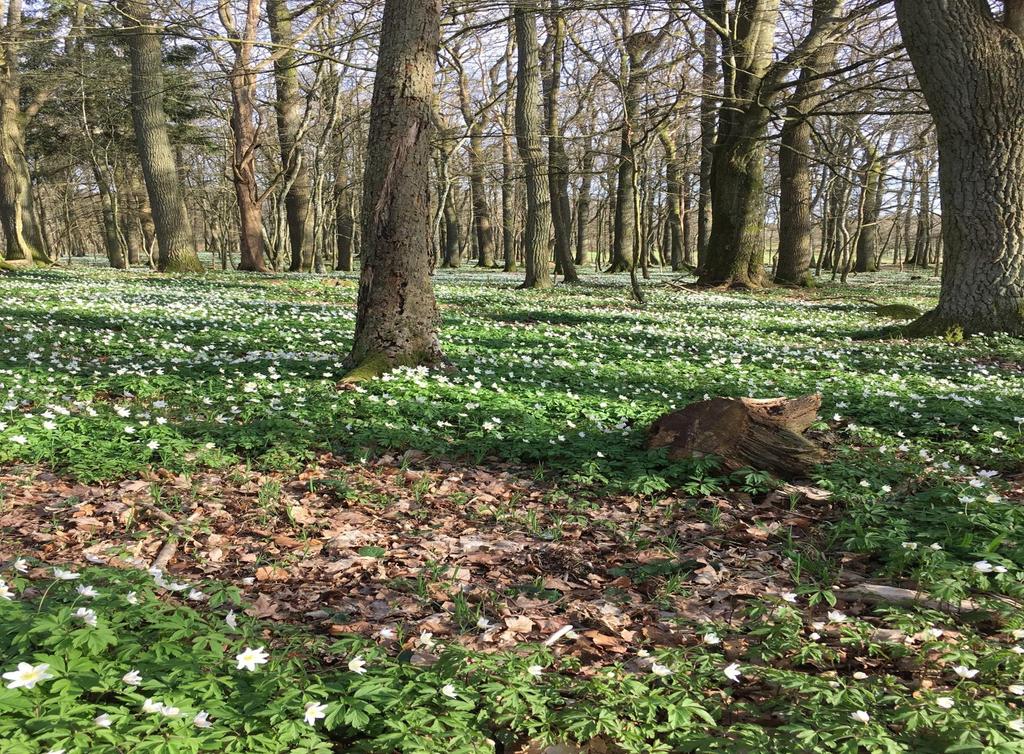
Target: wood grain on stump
763,434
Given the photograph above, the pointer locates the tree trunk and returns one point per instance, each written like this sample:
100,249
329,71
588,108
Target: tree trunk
537,237
708,112
673,198
288,109
344,231
583,200
558,161
21,226
867,241
396,316
970,69
794,265
166,198
242,82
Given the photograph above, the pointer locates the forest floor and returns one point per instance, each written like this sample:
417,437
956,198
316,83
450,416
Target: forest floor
481,558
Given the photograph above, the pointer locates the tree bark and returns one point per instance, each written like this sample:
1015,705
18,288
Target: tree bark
177,251
21,226
537,237
867,238
558,160
970,68
794,265
242,82
396,316
288,109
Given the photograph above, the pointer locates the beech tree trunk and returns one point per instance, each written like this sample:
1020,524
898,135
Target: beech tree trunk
242,82
867,237
288,109
970,67
21,226
396,315
537,237
177,251
558,160
794,265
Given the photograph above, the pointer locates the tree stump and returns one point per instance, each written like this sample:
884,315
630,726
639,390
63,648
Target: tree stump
763,434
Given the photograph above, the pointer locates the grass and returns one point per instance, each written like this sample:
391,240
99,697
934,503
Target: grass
107,376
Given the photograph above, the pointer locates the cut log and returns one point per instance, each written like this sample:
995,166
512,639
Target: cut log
766,434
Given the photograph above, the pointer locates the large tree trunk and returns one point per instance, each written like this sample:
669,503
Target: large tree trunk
166,198
708,112
794,266
735,254
871,200
396,316
21,226
537,238
288,109
736,247
242,82
970,69
558,161
508,154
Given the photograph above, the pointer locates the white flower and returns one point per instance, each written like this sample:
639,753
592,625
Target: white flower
945,702
427,639
357,665
250,658
132,678
86,591
230,619
314,712
449,691
60,573
814,636
711,639
131,598
151,706
5,591
909,545
660,670
49,426
196,596
566,629
21,565
152,445
860,716
102,720
733,673
535,670
169,711
202,720
483,624
387,634
86,615
1017,726
1016,689
18,439
935,546
983,566
860,675
835,616
56,751
788,596
27,675
965,672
